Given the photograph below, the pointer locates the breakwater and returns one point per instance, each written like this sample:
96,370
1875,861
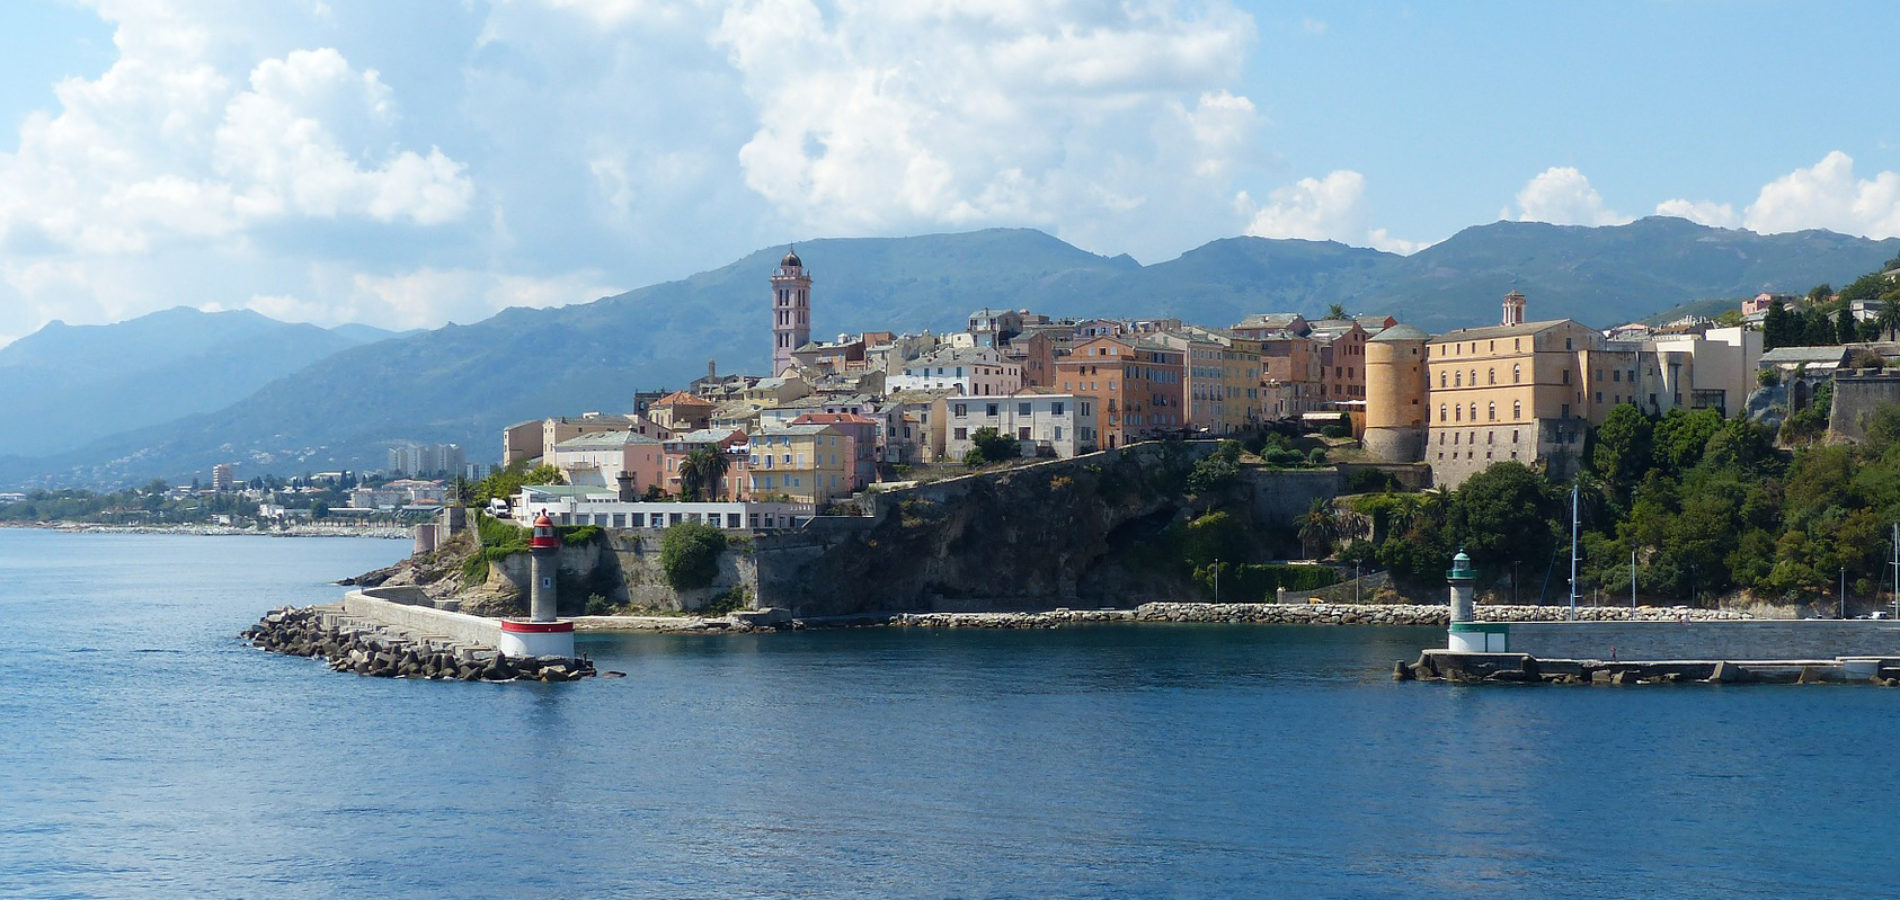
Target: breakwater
356,644
1292,614
1522,668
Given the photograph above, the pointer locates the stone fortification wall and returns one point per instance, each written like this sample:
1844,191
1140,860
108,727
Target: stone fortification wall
624,568
1757,640
1282,496
1857,397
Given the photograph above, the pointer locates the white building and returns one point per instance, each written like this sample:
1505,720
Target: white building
976,371
582,505
1044,423
598,459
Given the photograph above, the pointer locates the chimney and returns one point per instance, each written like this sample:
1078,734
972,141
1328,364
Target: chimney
712,370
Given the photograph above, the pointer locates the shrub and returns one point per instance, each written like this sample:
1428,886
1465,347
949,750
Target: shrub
1370,481
689,554
599,606
735,598
991,446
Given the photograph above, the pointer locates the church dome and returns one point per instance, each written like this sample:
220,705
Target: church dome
791,259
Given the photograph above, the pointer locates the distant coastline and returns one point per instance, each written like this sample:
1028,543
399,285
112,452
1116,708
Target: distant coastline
384,532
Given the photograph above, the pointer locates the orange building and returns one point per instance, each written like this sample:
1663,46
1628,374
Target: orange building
1138,385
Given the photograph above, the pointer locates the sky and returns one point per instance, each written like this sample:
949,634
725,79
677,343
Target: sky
410,164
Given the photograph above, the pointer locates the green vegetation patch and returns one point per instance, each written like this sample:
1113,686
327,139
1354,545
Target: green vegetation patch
689,554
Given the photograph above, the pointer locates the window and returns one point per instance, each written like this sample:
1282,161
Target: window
1057,433
963,434
1514,440
1566,376
1458,413
1517,409
1517,373
1566,410
1441,379
961,410
1458,379
1491,412
1491,376
1474,412
1055,409
1441,412
1616,374
1022,434
990,410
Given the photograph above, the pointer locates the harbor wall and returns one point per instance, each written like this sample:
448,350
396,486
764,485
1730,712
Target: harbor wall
391,609
1750,640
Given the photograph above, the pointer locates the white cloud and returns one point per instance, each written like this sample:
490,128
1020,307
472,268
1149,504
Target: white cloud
889,117
1561,195
1714,215
1323,209
1828,195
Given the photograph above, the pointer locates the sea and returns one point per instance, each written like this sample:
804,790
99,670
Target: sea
146,751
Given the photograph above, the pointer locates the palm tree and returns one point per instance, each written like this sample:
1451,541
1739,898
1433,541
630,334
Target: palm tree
1889,317
1319,526
1336,311
692,474
713,470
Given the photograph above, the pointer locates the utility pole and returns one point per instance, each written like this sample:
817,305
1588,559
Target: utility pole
1573,552
1896,570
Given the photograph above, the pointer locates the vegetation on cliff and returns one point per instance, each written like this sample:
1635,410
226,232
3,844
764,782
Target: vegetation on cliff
689,554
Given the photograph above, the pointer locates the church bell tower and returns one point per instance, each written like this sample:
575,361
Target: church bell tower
791,310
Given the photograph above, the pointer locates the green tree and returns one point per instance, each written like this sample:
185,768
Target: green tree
1889,317
1621,454
1216,470
1319,527
1335,311
1777,327
693,473
1682,435
1846,329
689,554
1505,512
988,445
1820,294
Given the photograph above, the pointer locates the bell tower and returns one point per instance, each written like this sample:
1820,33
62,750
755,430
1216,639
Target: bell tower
1513,308
791,309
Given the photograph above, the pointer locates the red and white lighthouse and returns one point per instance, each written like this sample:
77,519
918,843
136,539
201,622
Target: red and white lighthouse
542,633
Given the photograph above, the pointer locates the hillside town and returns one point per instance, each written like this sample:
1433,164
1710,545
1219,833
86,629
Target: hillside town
835,417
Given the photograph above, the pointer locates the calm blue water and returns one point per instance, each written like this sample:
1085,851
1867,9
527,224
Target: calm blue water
145,751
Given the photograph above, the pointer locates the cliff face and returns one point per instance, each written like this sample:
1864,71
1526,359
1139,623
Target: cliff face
1087,532
1056,534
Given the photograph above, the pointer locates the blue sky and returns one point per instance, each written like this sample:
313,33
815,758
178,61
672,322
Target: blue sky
408,164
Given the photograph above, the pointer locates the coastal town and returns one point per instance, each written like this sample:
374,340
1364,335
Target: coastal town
833,418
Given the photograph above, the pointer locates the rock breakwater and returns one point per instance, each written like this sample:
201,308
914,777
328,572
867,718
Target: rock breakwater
1300,614
352,644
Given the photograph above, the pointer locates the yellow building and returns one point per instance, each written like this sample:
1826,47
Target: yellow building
1517,391
1221,378
807,463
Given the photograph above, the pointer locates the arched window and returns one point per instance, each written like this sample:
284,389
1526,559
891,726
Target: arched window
1491,376
1517,409
1491,412
1474,412
1458,378
1517,372
1474,377
1441,412
1458,412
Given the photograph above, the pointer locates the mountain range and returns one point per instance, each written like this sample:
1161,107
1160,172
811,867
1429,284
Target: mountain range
170,394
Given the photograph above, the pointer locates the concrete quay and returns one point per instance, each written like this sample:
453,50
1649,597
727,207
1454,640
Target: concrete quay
1463,667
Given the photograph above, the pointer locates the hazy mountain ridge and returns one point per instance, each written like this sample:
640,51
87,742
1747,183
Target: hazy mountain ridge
462,383
70,385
